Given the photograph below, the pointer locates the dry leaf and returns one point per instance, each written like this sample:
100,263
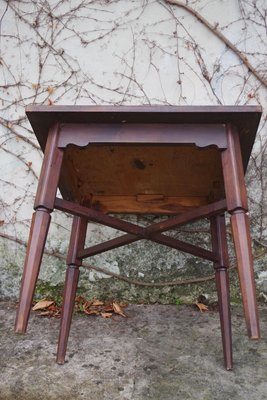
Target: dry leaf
50,89
202,307
44,313
42,304
9,125
80,298
91,312
117,309
53,308
35,86
50,102
29,163
106,315
97,303
89,307
87,304
108,308
2,222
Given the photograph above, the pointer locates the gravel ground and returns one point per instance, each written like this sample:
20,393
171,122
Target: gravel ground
157,352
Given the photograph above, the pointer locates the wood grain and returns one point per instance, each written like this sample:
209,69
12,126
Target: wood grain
117,179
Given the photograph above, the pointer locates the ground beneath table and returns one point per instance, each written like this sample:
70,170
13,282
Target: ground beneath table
158,352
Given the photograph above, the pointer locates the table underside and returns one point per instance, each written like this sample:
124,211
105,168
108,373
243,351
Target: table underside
156,179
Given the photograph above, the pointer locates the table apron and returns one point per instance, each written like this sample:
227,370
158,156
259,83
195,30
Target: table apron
201,135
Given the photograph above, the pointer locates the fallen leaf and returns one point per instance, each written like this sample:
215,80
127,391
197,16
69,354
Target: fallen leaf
91,312
9,125
106,315
50,102
117,309
29,163
2,222
43,313
42,304
97,303
202,307
80,298
53,308
89,307
80,301
108,308
87,304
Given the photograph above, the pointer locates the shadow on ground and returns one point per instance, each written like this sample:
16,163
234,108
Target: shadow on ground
158,352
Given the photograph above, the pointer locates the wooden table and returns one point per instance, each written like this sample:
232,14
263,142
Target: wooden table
183,162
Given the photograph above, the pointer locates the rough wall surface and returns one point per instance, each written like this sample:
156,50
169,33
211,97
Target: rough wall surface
124,52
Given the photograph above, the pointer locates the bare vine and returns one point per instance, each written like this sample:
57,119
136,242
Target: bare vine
215,31
130,281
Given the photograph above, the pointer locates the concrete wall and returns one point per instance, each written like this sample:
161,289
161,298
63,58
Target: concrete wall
123,52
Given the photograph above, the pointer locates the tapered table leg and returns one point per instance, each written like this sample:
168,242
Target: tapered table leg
38,234
236,198
242,242
77,240
44,204
71,282
219,245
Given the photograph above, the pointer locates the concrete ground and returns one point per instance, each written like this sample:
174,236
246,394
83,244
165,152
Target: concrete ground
157,352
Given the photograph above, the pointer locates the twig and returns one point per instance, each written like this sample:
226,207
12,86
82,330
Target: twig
113,274
220,35
125,278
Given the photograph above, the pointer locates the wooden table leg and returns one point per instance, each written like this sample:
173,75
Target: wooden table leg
44,204
77,240
242,242
37,238
219,245
236,198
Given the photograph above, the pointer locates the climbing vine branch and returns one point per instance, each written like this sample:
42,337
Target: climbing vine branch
214,29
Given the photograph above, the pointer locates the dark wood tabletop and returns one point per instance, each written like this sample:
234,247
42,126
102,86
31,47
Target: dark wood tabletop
246,118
